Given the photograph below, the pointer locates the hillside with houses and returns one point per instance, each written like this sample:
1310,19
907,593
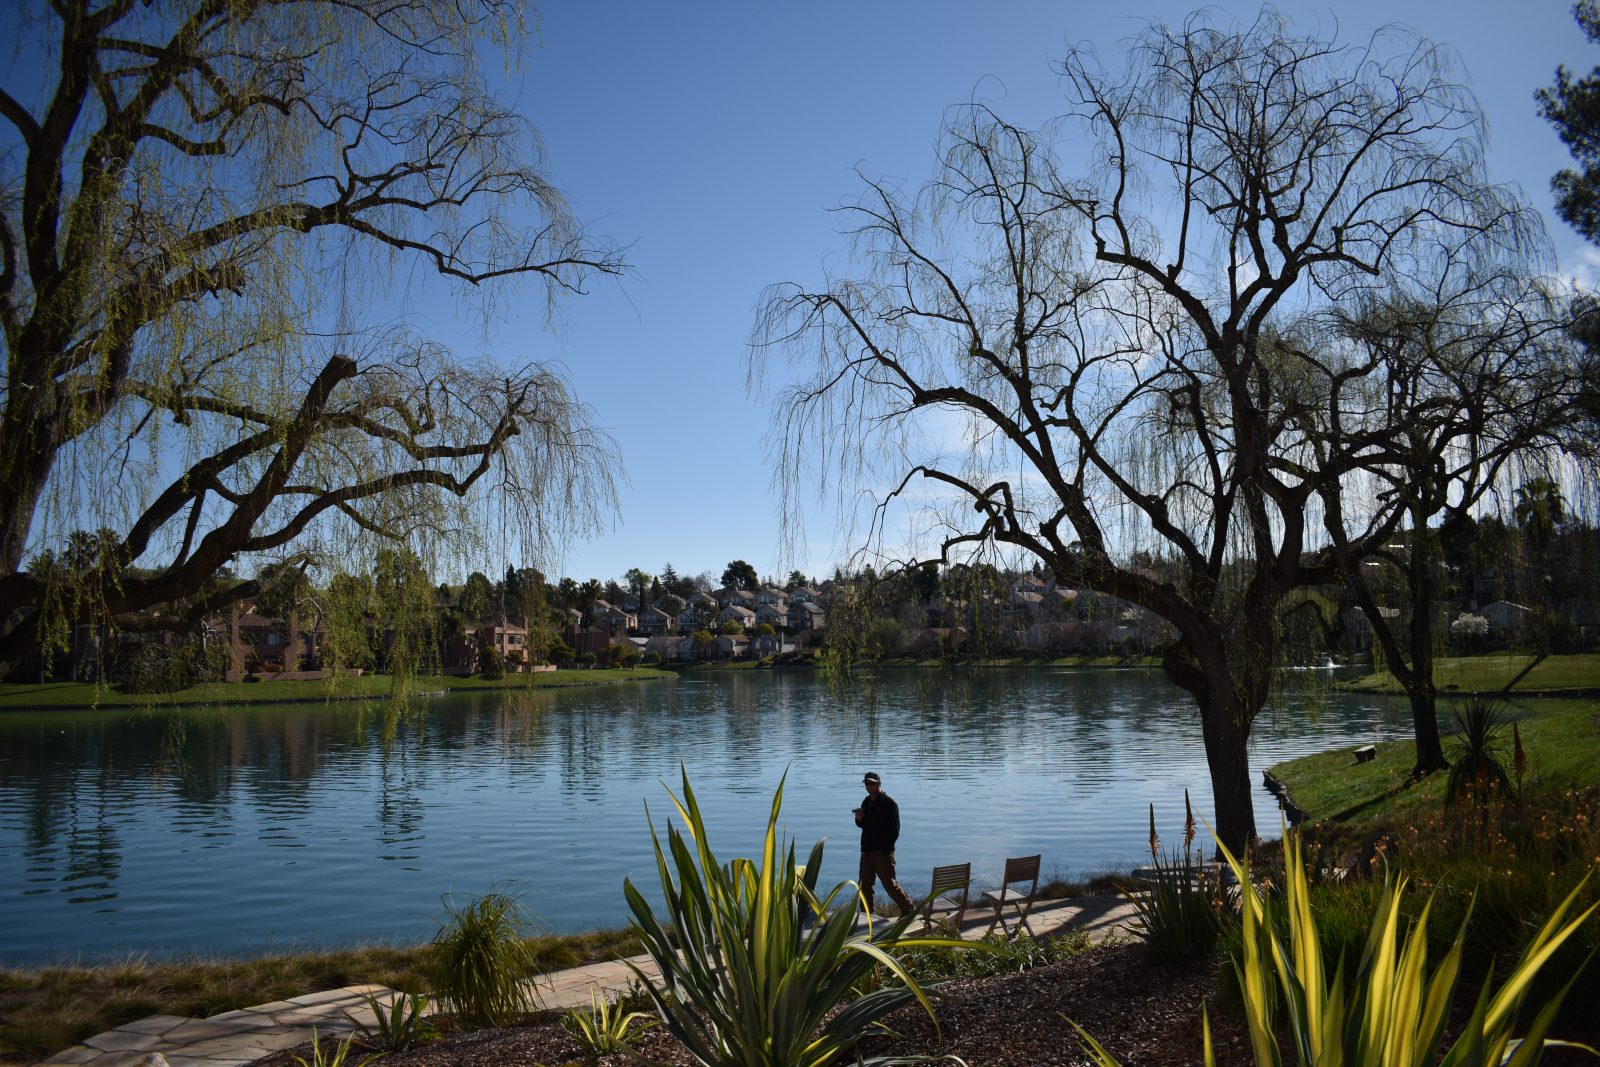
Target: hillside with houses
1496,593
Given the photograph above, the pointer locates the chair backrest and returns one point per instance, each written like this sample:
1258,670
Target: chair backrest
1021,869
951,879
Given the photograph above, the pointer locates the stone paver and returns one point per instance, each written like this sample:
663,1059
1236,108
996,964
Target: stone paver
159,1025
236,1038
124,1041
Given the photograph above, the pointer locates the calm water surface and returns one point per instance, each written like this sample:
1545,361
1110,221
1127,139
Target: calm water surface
257,828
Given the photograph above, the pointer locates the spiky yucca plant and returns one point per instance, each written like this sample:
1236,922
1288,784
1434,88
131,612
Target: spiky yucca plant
1476,767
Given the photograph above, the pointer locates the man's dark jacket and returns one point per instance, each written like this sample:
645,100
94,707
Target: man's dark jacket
880,823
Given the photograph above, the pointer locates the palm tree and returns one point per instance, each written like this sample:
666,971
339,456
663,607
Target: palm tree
1539,510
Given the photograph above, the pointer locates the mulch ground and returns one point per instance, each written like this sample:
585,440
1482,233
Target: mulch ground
1144,1014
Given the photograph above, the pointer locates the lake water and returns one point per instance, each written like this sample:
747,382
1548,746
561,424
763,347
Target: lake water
260,828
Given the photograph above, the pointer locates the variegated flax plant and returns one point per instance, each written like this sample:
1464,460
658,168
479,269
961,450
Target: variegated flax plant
1392,1009
754,966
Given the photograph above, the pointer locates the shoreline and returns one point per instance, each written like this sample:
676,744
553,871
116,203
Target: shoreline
118,701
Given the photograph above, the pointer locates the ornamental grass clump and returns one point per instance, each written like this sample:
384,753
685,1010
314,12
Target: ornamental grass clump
481,958
1391,1010
757,971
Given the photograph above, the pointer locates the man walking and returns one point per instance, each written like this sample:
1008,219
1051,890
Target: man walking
879,819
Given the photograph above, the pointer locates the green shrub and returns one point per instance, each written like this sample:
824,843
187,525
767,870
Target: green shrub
1001,955
480,958
158,668
491,667
1393,1010
756,965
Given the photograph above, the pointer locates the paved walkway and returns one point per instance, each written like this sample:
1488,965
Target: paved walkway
236,1038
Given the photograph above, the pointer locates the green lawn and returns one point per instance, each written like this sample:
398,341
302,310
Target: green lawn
83,695
1483,674
1561,738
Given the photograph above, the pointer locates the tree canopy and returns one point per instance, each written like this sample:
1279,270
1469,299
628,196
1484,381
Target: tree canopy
1137,363
740,575
188,192
1572,106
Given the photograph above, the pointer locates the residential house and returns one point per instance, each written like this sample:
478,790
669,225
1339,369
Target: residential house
1358,630
587,640
1506,620
654,621
506,637
730,646
614,619
265,645
1027,583
1062,599
664,645
764,645
774,615
1024,602
807,616
739,614
728,595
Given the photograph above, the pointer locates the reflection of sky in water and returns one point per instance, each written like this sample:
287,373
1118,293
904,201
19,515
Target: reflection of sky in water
262,828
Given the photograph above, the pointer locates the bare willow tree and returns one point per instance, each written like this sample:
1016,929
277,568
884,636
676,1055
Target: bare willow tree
189,192
1454,381
1099,370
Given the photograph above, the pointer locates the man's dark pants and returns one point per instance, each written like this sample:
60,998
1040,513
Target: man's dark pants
880,865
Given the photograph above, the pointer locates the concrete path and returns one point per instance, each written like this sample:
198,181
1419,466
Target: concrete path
235,1038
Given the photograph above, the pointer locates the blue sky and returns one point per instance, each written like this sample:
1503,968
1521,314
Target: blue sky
713,137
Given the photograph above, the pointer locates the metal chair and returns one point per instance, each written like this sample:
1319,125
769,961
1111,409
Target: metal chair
947,899
1019,869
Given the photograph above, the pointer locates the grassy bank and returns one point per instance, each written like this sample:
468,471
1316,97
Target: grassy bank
52,1008
1522,672
1561,739
1499,867
17,696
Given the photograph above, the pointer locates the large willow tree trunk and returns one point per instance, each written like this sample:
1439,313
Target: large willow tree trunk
1225,727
